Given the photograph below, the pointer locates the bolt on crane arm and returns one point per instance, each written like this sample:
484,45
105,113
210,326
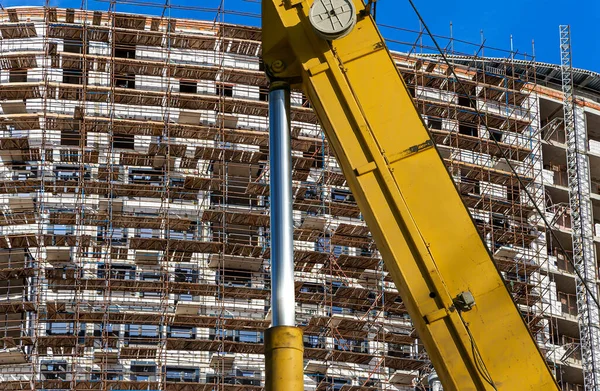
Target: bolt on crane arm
457,300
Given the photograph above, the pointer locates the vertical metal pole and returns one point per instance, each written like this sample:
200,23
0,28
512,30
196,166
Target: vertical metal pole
282,231
578,172
284,348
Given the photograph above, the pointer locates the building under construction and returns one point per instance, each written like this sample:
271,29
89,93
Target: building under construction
134,235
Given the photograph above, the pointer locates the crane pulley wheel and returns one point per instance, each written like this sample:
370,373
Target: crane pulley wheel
332,19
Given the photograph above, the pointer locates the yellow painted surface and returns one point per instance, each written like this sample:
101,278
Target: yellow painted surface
284,363
409,201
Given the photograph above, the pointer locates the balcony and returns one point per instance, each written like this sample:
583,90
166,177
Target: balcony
558,173
568,303
559,261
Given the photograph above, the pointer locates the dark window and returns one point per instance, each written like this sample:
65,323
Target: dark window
124,141
178,182
125,52
468,185
351,345
241,235
341,195
263,94
308,287
22,171
513,193
250,336
468,130
60,229
224,89
141,331
54,370
117,236
143,371
188,86
186,275
125,81
227,335
146,233
323,245
496,135
235,196
236,335
178,374
70,137
111,374
70,172
500,221
398,350
235,234
513,276
435,123
411,90
60,328
72,76
146,176
181,332
149,276
248,378
185,297
109,329
478,222
177,234
73,46
240,278
17,76
313,341
465,101
312,194
338,250
339,310
117,272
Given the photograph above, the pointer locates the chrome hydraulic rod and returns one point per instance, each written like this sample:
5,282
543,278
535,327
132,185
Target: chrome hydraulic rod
284,348
283,312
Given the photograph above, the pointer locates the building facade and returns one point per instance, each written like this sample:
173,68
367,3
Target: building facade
134,236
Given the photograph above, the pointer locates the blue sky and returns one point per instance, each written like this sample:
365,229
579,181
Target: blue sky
495,21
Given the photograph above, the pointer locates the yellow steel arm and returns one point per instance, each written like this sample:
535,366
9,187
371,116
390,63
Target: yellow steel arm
420,225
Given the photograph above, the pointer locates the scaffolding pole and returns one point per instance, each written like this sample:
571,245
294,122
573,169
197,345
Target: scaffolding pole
582,234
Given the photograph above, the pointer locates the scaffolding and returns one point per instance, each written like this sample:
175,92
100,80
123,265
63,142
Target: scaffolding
134,238
474,148
578,172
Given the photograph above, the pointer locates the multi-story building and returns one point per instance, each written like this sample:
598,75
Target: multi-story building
134,235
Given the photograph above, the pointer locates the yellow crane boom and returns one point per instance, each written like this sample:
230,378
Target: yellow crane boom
457,300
